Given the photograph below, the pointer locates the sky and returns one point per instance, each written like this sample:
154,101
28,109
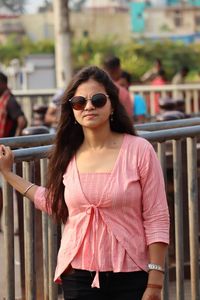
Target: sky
32,5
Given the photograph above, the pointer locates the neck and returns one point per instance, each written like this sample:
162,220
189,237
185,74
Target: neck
97,138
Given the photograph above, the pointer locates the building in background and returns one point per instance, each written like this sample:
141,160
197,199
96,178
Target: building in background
95,23
106,5
39,71
10,24
172,19
121,19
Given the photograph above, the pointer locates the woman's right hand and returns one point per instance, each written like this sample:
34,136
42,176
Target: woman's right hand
6,159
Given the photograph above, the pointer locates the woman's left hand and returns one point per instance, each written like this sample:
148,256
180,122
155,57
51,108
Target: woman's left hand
152,294
6,159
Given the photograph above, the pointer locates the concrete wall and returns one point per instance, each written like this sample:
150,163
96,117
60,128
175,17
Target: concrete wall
96,24
100,24
157,19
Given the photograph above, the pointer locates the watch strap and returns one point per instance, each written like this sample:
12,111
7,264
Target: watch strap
152,266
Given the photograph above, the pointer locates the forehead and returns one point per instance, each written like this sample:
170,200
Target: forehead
90,87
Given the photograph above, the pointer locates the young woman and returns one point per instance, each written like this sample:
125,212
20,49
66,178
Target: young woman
106,185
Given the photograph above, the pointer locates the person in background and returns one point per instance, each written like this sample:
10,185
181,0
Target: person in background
125,79
112,66
148,76
139,108
52,115
179,78
12,119
106,185
138,102
159,80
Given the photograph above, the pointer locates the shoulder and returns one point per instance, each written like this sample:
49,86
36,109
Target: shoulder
137,147
177,78
135,141
141,151
122,91
14,107
12,101
12,98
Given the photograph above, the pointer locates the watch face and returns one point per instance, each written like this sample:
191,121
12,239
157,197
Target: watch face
155,267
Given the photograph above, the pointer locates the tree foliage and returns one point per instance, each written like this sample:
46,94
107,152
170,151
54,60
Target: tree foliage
135,57
20,49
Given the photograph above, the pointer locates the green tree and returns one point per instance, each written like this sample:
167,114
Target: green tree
136,57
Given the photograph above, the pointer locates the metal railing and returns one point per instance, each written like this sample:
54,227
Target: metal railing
29,98
183,139
190,93
153,126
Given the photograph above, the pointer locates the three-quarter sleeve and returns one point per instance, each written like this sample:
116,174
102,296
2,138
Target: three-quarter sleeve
154,203
40,199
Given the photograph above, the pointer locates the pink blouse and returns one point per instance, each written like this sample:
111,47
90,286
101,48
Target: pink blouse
91,185
126,212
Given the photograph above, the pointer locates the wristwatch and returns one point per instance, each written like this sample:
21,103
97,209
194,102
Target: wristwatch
156,267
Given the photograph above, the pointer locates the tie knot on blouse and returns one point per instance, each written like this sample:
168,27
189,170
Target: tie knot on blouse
91,208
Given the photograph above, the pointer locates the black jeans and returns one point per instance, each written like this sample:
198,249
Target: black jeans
113,286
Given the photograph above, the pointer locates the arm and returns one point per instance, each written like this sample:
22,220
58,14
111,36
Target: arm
157,252
18,183
148,75
156,219
15,113
21,124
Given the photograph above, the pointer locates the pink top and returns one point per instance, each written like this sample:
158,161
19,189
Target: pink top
130,212
89,257
156,82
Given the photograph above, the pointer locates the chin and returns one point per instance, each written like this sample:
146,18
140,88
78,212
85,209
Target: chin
92,124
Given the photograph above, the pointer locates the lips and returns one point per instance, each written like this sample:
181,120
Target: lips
90,115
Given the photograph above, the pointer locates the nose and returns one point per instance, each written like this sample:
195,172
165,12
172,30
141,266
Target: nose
89,105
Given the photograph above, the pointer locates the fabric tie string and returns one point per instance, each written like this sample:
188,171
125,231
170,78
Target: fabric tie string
93,208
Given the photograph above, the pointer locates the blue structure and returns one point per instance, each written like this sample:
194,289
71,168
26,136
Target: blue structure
194,2
172,2
137,12
137,16
189,2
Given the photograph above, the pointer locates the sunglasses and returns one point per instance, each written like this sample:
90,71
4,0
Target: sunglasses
79,102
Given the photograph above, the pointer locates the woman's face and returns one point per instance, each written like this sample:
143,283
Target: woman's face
91,116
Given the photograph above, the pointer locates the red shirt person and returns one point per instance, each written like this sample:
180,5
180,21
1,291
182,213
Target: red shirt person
158,81
12,119
112,66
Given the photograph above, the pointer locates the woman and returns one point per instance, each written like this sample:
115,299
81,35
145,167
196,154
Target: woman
105,184
159,80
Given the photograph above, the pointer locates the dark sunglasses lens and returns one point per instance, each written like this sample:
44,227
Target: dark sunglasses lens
99,100
78,102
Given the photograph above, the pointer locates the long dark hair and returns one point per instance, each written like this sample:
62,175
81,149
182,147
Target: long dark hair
70,136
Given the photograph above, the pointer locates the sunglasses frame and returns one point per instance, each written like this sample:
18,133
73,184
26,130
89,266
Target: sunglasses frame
86,100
